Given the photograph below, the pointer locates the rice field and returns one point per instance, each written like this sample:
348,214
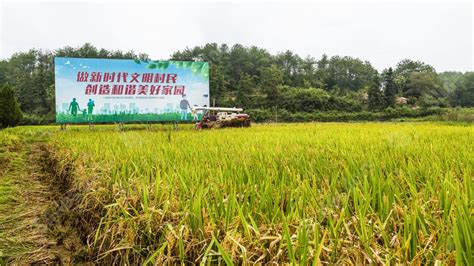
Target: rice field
290,193
314,193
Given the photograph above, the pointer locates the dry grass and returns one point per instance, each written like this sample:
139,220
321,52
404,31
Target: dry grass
24,198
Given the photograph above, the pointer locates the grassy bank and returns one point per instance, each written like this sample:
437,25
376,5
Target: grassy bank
26,198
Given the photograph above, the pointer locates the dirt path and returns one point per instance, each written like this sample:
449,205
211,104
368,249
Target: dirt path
26,201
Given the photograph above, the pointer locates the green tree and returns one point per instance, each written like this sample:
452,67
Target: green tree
19,74
389,88
309,73
237,64
305,100
291,65
424,83
89,51
321,72
217,83
375,101
245,89
405,68
252,77
10,114
348,74
3,71
270,79
463,94
449,80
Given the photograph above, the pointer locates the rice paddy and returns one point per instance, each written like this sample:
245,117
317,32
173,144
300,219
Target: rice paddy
337,193
314,193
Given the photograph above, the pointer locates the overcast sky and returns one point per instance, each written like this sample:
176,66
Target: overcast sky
439,34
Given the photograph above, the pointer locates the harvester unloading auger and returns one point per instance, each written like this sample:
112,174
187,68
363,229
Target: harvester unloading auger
218,117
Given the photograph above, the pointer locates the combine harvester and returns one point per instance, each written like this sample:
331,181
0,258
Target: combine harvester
219,117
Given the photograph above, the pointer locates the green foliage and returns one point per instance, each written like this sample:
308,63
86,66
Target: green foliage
34,119
251,77
270,79
304,100
10,114
376,100
405,68
449,80
311,99
31,74
290,64
270,115
427,100
465,115
347,73
389,89
217,84
463,94
245,88
89,51
424,83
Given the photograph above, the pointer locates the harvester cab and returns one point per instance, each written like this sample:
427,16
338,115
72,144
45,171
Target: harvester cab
218,117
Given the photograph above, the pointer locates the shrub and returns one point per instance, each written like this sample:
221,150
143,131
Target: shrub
10,114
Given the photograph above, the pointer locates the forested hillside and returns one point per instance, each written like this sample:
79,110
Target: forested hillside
252,78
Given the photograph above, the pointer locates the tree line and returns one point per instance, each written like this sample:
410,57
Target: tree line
251,77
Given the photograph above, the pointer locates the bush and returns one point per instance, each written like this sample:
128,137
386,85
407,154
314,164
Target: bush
309,99
32,119
10,114
260,115
265,115
430,101
456,115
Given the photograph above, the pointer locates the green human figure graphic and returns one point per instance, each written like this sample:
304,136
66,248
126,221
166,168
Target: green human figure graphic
90,106
73,107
